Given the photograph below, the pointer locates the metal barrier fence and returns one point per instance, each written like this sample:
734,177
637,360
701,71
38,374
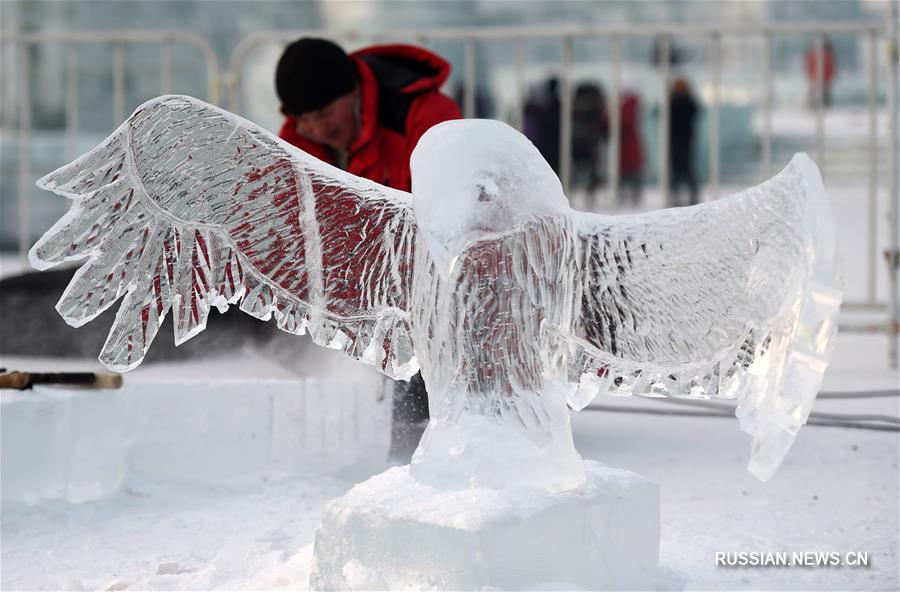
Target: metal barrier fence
663,35
519,37
117,42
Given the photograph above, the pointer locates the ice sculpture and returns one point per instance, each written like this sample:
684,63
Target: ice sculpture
514,306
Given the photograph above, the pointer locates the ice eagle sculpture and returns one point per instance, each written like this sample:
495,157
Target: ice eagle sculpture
514,306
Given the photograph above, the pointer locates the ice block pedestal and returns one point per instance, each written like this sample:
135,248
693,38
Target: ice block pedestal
392,532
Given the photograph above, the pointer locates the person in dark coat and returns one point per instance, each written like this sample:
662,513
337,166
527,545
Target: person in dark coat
683,111
589,133
547,140
365,112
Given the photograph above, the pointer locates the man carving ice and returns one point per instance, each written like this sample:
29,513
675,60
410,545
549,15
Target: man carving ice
362,112
365,113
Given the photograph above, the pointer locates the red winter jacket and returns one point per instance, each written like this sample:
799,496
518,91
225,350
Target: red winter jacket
631,153
828,66
399,101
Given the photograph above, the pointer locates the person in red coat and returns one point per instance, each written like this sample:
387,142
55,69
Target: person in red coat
631,150
363,112
829,71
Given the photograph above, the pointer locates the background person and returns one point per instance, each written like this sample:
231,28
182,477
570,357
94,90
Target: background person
829,71
683,111
590,131
631,150
547,130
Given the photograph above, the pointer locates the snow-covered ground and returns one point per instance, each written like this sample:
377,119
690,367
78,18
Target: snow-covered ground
176,528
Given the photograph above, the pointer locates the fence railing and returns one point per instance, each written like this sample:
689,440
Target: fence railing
116,42
663,35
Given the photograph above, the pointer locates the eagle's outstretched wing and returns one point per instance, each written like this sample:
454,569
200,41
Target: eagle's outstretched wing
735,298
189,206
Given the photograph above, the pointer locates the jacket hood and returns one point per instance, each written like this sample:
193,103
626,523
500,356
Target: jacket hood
405,68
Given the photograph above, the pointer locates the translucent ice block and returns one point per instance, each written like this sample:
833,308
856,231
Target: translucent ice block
393,533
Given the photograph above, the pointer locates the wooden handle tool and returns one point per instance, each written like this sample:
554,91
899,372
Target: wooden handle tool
26,380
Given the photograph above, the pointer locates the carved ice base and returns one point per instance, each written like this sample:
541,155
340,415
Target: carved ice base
392,532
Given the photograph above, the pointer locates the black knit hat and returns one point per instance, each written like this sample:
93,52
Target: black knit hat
311,73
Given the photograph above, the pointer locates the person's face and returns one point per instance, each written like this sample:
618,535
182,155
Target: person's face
334,125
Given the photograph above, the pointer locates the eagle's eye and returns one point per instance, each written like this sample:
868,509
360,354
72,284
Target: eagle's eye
483,195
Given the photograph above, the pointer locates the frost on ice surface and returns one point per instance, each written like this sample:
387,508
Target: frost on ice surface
514,306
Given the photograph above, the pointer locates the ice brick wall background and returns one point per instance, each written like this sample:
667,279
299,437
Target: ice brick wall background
184,425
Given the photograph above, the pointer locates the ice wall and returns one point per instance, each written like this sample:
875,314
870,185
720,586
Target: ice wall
80,445
394,533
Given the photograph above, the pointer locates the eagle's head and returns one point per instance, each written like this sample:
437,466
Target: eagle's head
472,178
